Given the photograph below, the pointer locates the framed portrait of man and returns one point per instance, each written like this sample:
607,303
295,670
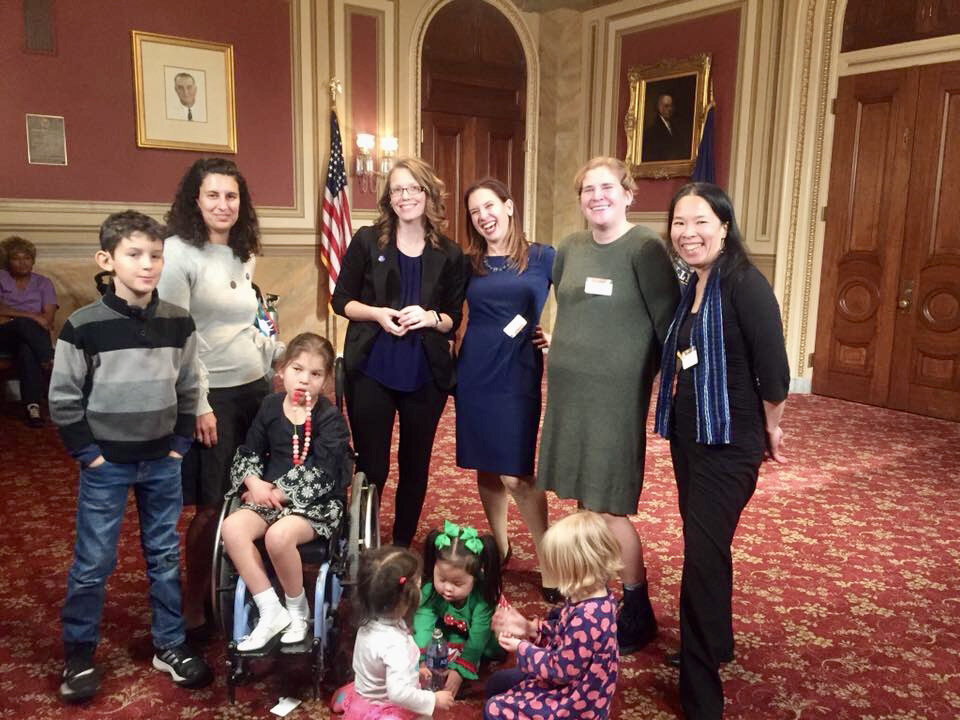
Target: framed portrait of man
665,115
184,93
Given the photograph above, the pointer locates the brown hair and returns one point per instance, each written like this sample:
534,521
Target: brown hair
615,165
312,343
435,212
581,554
518,252
387,582
16,244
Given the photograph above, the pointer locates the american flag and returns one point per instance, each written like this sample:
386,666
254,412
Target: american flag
335,223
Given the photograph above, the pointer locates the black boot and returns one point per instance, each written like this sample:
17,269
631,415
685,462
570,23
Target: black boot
636,623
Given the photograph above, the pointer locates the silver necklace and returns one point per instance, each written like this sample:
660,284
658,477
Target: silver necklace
495,268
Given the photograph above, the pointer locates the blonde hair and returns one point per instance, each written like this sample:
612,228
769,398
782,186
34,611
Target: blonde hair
581,553
614,165
435,211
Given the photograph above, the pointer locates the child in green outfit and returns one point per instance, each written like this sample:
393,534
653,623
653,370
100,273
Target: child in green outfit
460,593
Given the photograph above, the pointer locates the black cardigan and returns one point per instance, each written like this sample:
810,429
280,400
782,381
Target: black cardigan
371,275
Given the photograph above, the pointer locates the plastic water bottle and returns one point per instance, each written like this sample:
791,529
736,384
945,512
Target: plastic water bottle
436,657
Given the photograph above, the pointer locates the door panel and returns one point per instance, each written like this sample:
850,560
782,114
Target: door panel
926,358
864,233
448,145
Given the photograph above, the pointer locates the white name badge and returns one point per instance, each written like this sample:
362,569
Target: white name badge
515,326
598,286
688,358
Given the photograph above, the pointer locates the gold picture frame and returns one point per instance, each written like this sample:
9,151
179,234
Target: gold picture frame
665,115
185,98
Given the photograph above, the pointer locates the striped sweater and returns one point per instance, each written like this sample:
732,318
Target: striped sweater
124,381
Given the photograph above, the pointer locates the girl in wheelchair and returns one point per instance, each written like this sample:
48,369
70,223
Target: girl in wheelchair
290,472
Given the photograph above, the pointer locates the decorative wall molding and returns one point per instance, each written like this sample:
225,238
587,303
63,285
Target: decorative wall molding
892,57
532,57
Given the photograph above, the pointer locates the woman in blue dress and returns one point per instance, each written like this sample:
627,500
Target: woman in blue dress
500,366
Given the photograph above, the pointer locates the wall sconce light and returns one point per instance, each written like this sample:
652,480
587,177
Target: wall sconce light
365,160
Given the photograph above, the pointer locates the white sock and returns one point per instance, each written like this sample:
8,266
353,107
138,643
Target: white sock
267,602
297,606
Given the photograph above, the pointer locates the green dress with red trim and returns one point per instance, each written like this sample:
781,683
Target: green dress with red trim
466,629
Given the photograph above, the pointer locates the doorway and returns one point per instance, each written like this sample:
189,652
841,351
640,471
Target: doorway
473,103
888,330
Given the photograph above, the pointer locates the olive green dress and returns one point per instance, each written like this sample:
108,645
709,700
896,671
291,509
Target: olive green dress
603,358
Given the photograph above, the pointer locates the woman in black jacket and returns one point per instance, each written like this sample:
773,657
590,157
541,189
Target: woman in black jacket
402,287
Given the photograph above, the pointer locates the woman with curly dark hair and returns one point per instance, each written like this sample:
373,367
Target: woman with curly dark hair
401,286
209,263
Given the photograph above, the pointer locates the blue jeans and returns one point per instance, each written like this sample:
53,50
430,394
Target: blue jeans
101,502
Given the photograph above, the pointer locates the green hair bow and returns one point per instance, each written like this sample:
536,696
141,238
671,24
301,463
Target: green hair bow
467,534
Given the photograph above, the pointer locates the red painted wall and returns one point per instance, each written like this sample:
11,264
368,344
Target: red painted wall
364,97
89,81
719,36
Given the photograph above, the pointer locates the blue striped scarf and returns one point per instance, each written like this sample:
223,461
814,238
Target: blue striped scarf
710,372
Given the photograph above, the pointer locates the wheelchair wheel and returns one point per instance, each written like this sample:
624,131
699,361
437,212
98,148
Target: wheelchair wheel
223,580
364,523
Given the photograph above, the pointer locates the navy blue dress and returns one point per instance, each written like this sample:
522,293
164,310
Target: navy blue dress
498,377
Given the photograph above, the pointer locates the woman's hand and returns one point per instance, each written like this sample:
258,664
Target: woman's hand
414,317
206,429
389,320
540,339
774,444
260,492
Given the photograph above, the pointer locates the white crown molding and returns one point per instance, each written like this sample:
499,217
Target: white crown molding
892,57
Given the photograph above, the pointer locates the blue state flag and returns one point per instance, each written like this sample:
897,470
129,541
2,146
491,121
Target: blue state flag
704,169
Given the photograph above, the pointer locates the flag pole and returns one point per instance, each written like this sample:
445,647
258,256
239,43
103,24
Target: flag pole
334,87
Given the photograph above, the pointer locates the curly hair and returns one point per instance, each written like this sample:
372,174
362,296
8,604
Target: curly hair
518,251
435,212
484,566
387,584
16,244
186,220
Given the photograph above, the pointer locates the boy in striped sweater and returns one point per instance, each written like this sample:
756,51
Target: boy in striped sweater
124,395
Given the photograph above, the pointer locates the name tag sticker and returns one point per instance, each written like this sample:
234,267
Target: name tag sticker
688,358
598,286
515,326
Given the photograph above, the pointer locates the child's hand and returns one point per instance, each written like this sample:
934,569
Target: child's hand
279,495
508,619
444,699
260,493
508,642
425,675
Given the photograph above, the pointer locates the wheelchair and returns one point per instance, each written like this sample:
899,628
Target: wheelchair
332,562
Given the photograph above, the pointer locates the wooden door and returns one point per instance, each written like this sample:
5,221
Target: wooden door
863,243
473,102
925,376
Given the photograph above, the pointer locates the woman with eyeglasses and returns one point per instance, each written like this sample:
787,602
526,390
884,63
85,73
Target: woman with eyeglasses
616,294
401,286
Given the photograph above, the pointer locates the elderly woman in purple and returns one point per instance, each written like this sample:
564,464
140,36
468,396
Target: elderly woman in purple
28,303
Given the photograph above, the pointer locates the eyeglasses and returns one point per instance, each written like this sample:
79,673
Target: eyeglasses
408,190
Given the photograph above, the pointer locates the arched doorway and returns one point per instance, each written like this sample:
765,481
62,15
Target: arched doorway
473,102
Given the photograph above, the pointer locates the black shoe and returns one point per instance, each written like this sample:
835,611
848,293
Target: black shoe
636,623
673,659
34,418
80,679
187,669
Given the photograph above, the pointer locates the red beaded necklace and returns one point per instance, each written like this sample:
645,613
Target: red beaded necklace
299,459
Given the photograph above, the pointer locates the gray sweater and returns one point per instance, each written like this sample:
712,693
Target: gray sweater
124,381
216,288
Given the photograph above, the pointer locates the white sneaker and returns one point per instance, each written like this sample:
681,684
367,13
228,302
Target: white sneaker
268,627
297,630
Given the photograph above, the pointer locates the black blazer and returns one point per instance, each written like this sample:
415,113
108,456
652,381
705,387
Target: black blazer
371,275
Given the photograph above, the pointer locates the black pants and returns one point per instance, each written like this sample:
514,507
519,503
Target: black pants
206,470
29,343
714,484
372,409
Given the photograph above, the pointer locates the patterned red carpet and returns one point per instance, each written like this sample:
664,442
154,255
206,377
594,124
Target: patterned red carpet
846,599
